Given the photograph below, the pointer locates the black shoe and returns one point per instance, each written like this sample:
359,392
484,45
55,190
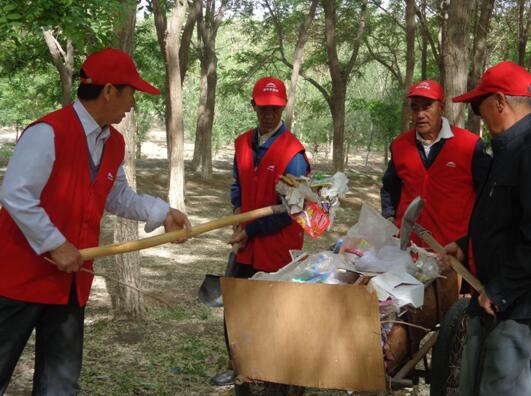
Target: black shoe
223,379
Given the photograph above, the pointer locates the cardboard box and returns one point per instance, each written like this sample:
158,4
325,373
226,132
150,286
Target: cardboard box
313,335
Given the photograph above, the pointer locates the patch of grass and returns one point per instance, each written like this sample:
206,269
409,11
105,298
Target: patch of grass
6,150
177,354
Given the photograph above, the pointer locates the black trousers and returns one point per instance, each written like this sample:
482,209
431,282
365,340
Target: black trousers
58,343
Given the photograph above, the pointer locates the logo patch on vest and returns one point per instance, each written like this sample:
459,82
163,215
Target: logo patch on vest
271,168
110,176
451,164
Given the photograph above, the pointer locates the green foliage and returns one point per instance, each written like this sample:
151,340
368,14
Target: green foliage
248,48
27,95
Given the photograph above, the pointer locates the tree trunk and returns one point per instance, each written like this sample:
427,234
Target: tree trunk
423,49
186,39
435,45
297,61
64,62
340,75
456,58
369,144
524,23
479,56
410,61
126,302
207,27
168,33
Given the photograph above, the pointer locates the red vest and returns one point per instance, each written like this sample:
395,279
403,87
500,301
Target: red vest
257,185
75,206
447,187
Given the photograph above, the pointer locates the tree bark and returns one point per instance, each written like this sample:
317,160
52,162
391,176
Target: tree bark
456,58
424,48
524,23
410,61
435,45
64,62
297,62
340,75
168,33
207,25
126,302
186,39
479,56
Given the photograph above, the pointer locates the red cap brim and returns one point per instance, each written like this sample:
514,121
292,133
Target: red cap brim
470,96
144,86
269,100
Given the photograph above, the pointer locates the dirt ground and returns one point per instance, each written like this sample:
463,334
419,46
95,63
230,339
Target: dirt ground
177,349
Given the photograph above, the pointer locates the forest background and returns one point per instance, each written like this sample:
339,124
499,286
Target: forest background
347,65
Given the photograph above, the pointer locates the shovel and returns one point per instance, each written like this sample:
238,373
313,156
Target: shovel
409,224
209,292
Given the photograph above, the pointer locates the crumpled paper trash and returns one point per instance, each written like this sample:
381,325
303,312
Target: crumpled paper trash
294,196
400,286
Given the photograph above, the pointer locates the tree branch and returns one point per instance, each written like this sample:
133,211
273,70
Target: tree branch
358,40
383,62
425,29
397,21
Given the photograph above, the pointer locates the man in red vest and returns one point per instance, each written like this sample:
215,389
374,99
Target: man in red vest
65,171
443,164
262,155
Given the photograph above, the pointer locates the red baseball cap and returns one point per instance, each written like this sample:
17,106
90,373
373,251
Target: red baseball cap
270,91
112,66
430,89
505,77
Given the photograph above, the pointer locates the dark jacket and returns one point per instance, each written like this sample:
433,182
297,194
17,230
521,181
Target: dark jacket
500,226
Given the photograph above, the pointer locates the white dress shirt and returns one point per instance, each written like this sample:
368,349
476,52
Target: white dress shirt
30,167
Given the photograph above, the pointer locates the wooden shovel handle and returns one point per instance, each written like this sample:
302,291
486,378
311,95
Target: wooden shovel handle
426,236
131,246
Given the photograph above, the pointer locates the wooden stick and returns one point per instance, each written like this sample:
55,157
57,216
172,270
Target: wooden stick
407,324
406,368
118,281
130,246
426,236
127,285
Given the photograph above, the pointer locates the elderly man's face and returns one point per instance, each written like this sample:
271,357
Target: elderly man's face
268,117
427,115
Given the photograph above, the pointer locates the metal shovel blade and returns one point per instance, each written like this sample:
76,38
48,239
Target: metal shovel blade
209,292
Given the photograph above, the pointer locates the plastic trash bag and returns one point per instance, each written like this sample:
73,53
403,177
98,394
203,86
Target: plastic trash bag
388,258
373,228
324,267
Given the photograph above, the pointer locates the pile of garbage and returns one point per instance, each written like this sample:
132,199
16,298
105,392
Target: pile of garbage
313,201
369,254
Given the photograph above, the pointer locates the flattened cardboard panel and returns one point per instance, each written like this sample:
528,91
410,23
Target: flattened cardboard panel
314,335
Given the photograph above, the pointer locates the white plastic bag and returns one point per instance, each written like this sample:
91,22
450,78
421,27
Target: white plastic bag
324,267
388,258
373,228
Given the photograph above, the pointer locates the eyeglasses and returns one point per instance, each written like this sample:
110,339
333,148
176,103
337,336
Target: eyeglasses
476,103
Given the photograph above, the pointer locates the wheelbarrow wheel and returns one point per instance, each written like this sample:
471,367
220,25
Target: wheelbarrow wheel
446,353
